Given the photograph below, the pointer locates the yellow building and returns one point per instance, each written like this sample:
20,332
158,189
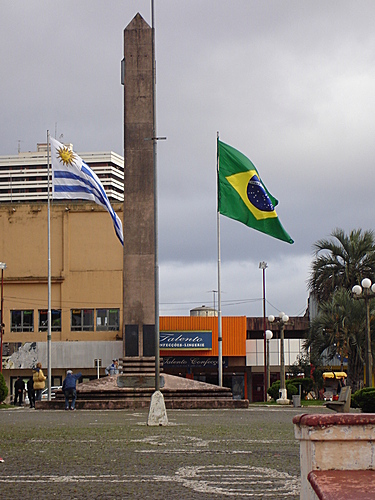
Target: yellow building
86,292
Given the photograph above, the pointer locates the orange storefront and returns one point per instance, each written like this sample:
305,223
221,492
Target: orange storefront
179,333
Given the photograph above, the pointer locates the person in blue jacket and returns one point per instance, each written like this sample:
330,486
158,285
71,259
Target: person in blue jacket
113,368
69,389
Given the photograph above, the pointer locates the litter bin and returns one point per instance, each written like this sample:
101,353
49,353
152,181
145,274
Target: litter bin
296,401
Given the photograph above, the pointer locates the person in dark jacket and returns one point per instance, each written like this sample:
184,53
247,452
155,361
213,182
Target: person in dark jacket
31,392
69,389
19,388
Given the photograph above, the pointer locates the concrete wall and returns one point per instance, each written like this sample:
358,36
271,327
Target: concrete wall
341,442
65,355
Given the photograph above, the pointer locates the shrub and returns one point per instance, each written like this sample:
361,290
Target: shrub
291,389
3,388
365,399
305,383
353,402
273,391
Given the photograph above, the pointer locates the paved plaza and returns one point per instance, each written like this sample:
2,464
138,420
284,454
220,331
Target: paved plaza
201,454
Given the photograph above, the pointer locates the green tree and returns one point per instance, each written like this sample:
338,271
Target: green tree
3,388
339,329
301,365
341,262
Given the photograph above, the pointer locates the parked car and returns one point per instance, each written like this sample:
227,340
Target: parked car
54,388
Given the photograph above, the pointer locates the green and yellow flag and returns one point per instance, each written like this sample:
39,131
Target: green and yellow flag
243,196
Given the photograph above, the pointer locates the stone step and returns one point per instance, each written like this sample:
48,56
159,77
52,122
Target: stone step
139,393
150,361
138,365
122,404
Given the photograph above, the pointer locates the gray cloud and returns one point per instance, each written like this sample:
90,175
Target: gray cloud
290,84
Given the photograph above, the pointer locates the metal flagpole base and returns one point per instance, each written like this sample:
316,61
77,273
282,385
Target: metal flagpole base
157,414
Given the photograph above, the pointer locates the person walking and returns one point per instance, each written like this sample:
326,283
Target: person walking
69,388
39,381
19,388
31,392
112,369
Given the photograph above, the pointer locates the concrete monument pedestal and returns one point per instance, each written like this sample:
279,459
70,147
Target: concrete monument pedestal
124,392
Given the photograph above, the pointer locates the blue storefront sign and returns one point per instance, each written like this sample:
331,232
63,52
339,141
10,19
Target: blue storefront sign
186,340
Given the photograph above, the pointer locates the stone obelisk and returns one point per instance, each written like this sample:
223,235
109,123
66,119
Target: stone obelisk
139,244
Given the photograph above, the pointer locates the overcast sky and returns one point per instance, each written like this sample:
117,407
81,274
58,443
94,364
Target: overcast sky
288,83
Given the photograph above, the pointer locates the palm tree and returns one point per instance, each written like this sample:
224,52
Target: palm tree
339,329
342,262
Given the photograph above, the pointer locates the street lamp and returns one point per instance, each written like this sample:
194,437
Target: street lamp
263,266
368,294
281,320
2,267
269,336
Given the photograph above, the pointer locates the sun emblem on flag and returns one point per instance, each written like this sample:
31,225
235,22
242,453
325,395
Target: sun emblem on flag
66,155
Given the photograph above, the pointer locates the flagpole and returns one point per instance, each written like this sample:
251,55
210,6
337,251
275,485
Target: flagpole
219,325
49,346
156,249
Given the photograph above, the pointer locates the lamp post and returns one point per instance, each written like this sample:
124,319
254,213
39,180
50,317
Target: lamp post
2,267
281,320
263,266
269,336
368,294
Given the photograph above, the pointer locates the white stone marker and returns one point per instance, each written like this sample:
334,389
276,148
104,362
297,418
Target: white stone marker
157,414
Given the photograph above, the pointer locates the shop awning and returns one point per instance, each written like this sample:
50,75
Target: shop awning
336,375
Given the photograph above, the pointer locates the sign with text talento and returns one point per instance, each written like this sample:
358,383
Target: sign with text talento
186,340
190,362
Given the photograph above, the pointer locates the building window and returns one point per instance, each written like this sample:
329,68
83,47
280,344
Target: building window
82,320
55,320
22,321
107,319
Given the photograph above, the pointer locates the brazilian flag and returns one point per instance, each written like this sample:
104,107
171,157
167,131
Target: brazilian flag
243,196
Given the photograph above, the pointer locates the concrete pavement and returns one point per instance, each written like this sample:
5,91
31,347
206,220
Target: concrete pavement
201,454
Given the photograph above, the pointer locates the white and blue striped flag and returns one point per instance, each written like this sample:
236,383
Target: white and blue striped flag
72,179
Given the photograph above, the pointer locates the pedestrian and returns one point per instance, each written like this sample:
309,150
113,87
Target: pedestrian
39,381
31,392
338,387
19,388
341,385
112,369
69,389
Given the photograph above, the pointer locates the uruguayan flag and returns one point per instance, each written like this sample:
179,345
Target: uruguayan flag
72,179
